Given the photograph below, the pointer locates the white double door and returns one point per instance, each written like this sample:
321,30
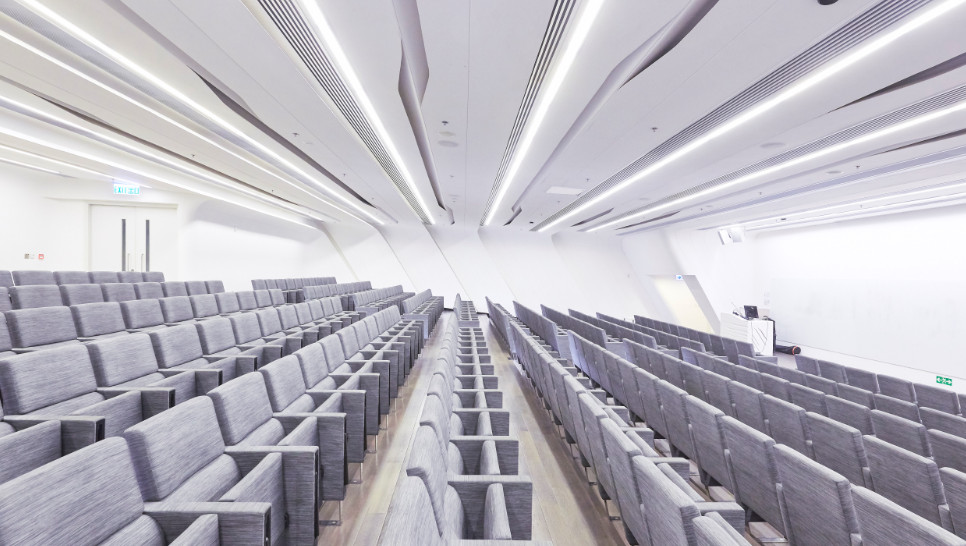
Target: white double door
125,238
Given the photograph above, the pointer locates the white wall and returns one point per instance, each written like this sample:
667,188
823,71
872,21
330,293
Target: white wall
885,293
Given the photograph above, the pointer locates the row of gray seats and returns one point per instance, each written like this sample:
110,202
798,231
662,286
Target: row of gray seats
343,290
33,277
378,299
465,312
255,415
661,338
462,472
656,503
923,395
909,480
545,328
715,344
290,284
424,307
50,295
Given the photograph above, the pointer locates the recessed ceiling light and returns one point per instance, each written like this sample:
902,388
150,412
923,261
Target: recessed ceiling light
447,133
448,143
807,82
770,145
833,172
564,190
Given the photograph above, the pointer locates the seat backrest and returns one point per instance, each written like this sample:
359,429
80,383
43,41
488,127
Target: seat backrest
794,376
103,277
669,510
672,402
32,381
34,296
203,306
708,440
121,359
174,445
653,414
90,494
862,379
948,450
832,371
42,326
940,420
839,447
176,345
817,501
288,317
954,487
806,364
142,313
76,294
283,382
118,292
72,277
176,309
716,386
314,367
747,404
31,277
410,519
216,335
97,319
153,276
885,523
907,479
173,289
930,396
748,377
901,408
148,290
268,321
246,328
713,530
130,276
258,284
196,288
849,413
775,386
350,343
278,297
826,386
786,423
5,343
303,313
620,452
901,432
254,300
242,407
429,465
6,279
227,302
5,304
808,398
753,465
855,394
897,388
215,287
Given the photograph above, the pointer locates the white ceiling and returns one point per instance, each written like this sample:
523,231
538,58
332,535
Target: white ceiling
480,56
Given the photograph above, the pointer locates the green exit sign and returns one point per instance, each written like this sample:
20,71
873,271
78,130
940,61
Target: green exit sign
948,381
127,189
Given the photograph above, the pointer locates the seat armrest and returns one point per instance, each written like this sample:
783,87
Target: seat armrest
643,433
499,419
207,378
154,400
238,522
517,490
77,431
731,512
507,452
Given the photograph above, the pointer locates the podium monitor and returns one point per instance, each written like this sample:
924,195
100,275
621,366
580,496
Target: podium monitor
751,311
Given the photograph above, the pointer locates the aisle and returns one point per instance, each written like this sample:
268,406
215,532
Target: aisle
566,509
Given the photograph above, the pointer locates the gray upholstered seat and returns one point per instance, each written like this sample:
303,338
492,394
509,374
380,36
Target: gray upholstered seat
911,481
34,296
94,497
218,340
832,371
885,523
148,290
195,288
822,384
179,348
679,431
153,276
786,424
840,448
180,457
118,292
748,377
940,420
775,386
33,277
203,306
954,487
901,432
76,294
862,379
103,277
947,450
806,364
897,388
130,277
227,303
41,328
98,320
6,345
713,530
61,382
248,333
856,395
29,448
246,418
72,277
794,376
709,444
142,315
747,404
716,387
215,287
176,310
930,396
807,398
5,303
257,299
849,413
752,462
900,408
816,502
173,289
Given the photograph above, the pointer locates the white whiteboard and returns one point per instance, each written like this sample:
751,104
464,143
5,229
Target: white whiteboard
915,323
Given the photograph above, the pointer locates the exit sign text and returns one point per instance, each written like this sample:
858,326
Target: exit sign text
948,381
127,189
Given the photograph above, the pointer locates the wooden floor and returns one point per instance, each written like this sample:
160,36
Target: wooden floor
566,510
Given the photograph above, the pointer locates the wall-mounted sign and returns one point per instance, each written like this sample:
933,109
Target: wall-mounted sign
127,189
948,381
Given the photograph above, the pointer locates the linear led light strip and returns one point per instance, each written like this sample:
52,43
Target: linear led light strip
863,212
159,115
193,189
149,153
158,82
29,166
898,127
771,220
585,20
808,82
62,164
333,48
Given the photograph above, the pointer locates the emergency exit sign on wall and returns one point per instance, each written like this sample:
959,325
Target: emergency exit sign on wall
948,381
127,189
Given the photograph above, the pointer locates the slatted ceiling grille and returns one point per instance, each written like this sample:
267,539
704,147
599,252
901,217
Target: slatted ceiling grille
932,104
556,26
872,21
294,28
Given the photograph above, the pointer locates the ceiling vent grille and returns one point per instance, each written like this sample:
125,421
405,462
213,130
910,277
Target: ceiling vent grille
562,10
297,32
859,29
